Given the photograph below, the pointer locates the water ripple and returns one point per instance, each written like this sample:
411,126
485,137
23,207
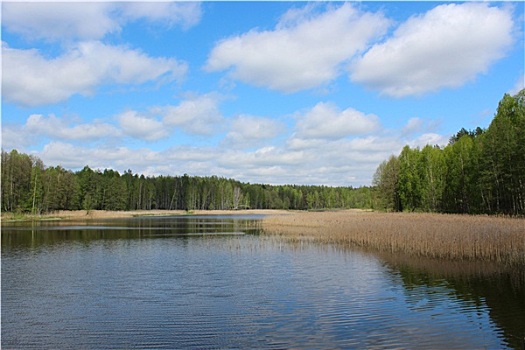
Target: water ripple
226,292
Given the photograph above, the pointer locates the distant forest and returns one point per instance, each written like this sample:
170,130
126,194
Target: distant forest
29,186
479,171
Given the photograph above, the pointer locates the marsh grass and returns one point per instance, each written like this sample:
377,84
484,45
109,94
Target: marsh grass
453,237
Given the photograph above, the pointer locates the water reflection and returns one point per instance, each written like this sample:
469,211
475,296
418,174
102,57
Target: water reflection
35,234
144,283
488,288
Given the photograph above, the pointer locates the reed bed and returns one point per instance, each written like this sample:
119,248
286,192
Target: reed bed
454,237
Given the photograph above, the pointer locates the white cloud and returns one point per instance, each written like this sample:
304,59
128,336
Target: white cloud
52,126
73,156
174,161
31,79
56,21
325,120
356,149
190,154
370,144
141,126
186,14
297,143
263,157
446,47
340,162
344,161
298,160
195,115
429,139
13,137
89,21
305,50
413,125
248,131
38,128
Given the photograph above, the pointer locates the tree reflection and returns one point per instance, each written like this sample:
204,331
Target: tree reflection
498,288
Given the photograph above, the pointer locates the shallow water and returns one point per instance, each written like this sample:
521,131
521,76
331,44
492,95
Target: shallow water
214,282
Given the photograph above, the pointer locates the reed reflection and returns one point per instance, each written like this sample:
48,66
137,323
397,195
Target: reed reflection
493,288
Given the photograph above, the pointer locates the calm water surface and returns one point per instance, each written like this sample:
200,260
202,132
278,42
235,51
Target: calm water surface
214,282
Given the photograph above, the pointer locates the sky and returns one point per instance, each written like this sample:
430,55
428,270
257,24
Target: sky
314,93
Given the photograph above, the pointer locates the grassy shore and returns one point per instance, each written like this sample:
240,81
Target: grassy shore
106,214
454,237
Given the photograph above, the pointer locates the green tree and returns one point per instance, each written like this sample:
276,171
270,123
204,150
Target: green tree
89,184
37,184
432,173
503,157
61,189
409,179
17,193
459,192
386,180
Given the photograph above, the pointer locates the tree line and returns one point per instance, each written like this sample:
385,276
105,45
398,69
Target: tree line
480,171
29,186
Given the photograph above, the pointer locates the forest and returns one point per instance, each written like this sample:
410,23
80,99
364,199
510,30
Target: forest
480,171
28,186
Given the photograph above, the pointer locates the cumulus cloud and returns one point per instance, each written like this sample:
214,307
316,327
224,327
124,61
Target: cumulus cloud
343,161
55,21
325,120
429,139
90,21
143,160
445,47
31,79
195,115
249,131
54,127
332,159
413,125
191,154
187,14
73,156
305,50
141,126
13,137
38,128
267,156
340,162
356,149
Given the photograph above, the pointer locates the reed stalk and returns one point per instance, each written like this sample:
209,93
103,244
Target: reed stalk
454,237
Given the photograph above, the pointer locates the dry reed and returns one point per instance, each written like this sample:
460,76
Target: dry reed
455,237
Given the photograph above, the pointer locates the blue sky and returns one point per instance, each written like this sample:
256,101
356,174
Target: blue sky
263,92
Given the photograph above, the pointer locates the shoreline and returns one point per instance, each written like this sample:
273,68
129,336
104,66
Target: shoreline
67,215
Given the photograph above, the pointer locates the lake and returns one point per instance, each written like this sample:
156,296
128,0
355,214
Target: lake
208,282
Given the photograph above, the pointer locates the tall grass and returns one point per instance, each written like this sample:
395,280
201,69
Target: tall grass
455,237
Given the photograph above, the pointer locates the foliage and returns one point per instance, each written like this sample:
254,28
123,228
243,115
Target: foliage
481,171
